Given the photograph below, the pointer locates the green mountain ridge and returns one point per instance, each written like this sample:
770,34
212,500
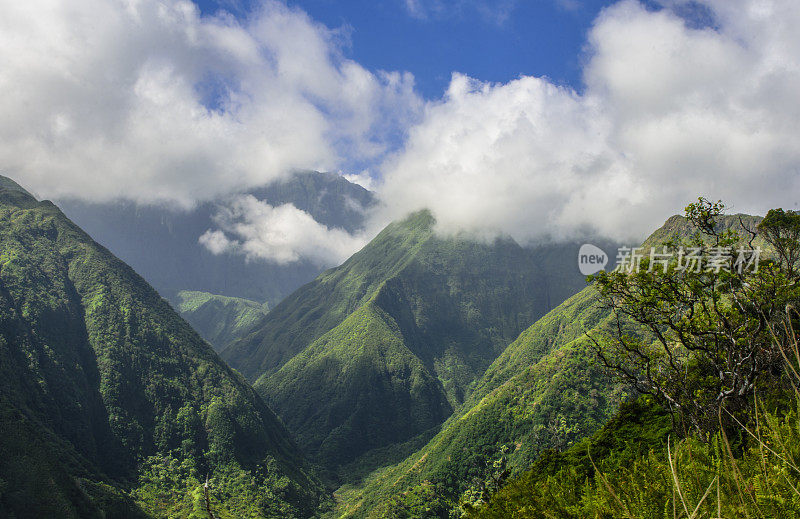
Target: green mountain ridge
544,391
218,319
406,325
643,458
111,404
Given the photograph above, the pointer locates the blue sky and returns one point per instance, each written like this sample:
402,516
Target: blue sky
492,41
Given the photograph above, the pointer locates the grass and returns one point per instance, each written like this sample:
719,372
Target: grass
750,472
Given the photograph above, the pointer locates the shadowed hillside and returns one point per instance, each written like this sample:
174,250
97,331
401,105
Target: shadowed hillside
111,403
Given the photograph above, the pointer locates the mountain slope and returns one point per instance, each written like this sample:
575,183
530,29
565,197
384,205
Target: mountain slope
393,340
218,319
162,245
360,386
107,393
546,390
319,306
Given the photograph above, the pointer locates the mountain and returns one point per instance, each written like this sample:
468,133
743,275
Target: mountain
162,245
679,228
7,183
382,349
218,319
110,404
545,391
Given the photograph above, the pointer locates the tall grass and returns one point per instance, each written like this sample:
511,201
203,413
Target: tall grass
753,473
754,476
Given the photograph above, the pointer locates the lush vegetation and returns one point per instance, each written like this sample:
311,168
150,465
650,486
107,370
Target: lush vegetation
637,467
723,359
385,347
356,389
393,372
711,324
111,404
546,390
218,319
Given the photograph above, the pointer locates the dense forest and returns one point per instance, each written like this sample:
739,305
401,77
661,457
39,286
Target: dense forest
112,405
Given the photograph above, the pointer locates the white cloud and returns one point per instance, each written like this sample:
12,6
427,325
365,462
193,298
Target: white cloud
363,179
147,100
217,242
669,113
282,234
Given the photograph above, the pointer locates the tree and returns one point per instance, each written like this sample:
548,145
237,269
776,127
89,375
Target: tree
782,230
709,343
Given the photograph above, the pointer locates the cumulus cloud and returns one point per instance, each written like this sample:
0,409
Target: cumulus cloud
150,101
671,110
282,234
519,158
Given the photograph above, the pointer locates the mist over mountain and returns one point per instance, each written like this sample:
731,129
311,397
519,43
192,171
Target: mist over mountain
546,390
332,260
163,244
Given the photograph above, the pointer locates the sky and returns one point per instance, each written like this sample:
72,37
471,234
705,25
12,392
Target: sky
539,119
496,41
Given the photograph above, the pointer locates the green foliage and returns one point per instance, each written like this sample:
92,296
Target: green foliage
219,319
424,501
644,474
558,483
355,389
711,330
743,458
781,229
383,348
98,375
172,487
546,390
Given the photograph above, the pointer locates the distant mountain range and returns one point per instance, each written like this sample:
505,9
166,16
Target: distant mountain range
110,404
162,245
218,319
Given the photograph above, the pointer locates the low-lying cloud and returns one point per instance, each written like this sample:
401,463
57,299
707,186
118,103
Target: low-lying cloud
282,234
